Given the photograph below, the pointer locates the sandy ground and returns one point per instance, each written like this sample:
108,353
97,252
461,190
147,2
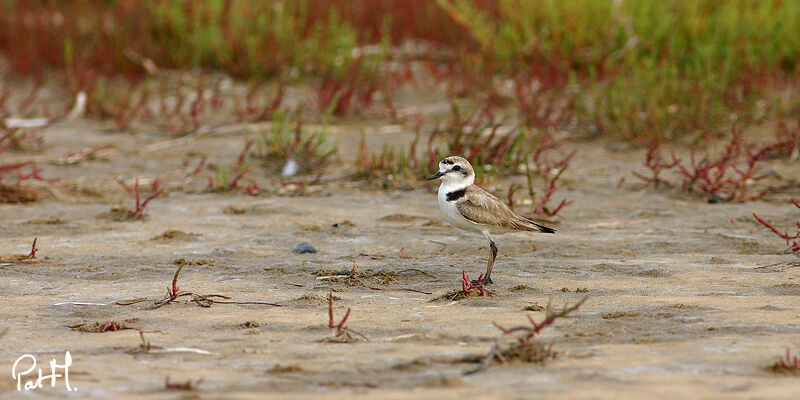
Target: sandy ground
686,299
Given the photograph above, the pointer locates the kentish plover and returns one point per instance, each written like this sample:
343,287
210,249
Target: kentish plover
471,208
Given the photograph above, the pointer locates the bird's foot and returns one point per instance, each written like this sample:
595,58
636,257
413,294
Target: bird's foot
484,281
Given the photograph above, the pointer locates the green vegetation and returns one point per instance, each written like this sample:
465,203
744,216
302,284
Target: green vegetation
634,69
309,147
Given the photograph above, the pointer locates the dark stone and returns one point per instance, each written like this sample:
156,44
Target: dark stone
304,248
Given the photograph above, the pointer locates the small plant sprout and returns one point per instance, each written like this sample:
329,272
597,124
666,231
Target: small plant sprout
249,109
140,205
294,146
788,364
467,286
550,171
24,171
196,170
110,326
173,292
252,189
30,257
512,189
338,329
529,332
655,163
145,345
795,246
340,332
790,361
469,289
223,181
525,348
727,176
34,249
543,101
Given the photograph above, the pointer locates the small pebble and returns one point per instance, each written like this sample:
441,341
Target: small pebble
290,168
304,248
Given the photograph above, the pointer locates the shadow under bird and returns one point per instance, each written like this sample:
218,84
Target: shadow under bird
471,208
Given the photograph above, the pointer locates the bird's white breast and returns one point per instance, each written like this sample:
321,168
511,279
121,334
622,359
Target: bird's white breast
450,210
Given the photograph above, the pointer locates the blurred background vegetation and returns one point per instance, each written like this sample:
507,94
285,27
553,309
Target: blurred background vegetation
631,69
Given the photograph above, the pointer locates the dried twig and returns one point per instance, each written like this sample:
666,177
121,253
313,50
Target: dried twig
85,154
188,385
75,112
206,300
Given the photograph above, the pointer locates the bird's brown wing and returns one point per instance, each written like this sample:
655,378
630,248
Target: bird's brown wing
482,207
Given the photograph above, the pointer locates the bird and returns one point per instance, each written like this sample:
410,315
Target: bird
473,209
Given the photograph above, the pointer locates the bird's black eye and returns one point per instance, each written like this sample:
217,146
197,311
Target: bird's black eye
457,168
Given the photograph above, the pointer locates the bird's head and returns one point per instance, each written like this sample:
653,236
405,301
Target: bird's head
456,171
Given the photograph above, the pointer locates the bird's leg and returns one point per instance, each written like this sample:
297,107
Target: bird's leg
488,277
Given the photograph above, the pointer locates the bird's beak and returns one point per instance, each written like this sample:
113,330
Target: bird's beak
436,176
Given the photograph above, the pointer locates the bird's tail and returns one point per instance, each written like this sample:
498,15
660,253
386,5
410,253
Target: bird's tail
544,229
533,226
